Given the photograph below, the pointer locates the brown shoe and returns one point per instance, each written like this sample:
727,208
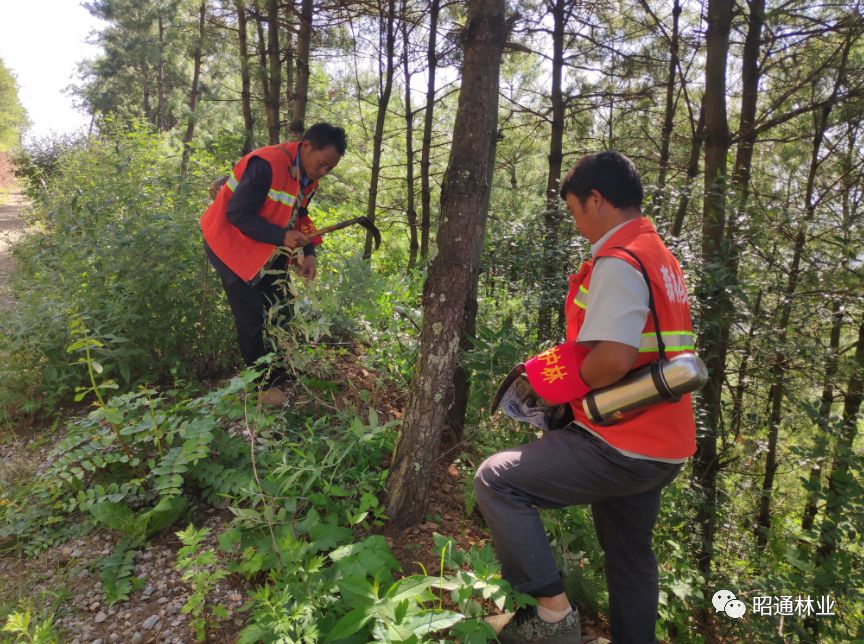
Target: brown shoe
273,397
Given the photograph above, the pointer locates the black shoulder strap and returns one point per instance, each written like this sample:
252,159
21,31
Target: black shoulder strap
660,346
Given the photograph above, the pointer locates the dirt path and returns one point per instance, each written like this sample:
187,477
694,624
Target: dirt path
11,227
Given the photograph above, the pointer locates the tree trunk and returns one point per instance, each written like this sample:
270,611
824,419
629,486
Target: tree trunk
301,91
245,81
275,71
814,482
193,91
779,366
289,63
388,33
263,67
553,256
715,307
743,366
145,88
851,179
692,173
425,187
840,479
160,77
467,183
775,395
409,146
669,115
462,379
750,75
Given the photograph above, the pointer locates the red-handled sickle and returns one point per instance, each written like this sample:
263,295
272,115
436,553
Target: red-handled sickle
362,221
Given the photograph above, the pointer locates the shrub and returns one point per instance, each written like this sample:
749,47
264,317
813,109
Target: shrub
115,242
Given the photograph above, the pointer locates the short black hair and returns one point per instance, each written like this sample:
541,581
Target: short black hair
322,135
611,174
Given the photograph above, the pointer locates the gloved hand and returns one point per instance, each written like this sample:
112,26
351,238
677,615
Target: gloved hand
555,375
519,401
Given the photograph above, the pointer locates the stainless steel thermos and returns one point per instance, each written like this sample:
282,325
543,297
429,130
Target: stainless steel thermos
660,381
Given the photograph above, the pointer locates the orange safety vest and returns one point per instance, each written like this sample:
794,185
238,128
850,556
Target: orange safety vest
666,430
242,254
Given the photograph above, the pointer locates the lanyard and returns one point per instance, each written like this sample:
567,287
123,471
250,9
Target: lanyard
297,173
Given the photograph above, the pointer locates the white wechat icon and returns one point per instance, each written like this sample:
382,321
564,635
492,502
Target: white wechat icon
725,602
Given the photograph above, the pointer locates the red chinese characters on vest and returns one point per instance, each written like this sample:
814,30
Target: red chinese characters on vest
666,430
244,255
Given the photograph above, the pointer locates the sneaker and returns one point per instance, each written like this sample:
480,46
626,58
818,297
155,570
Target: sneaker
525,626
273,396
590,639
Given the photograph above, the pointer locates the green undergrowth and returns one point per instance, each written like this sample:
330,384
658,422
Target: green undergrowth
302,484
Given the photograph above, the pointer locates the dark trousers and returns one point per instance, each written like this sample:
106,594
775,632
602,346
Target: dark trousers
250,306
572,467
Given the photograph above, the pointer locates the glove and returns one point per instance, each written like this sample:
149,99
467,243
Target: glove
516,372
519,401
555,375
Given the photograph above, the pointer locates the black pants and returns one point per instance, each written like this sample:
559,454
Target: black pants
250,306
573,467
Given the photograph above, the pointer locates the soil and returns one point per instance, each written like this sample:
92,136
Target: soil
11,207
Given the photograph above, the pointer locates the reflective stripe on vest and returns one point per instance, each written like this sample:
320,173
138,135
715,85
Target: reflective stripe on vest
672,341
581,299
279,196
285,198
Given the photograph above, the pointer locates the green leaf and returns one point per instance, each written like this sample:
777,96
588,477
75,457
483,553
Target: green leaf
116,516
357,591
327,536
432,620
164,514
350,623
117,570
415,586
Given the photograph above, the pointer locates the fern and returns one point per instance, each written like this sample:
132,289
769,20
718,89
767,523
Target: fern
117,570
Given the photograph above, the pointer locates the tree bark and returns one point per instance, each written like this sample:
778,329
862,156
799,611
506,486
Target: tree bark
669,115
263,66
553,255
388,33
275,72
410,210
692,172
160,76
245,80
462,378
715,307
750,75
425,154
301,90
467,183
290,64
193,91
743,366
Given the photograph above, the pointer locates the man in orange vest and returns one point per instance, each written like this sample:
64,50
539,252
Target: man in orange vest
619,470
259,212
